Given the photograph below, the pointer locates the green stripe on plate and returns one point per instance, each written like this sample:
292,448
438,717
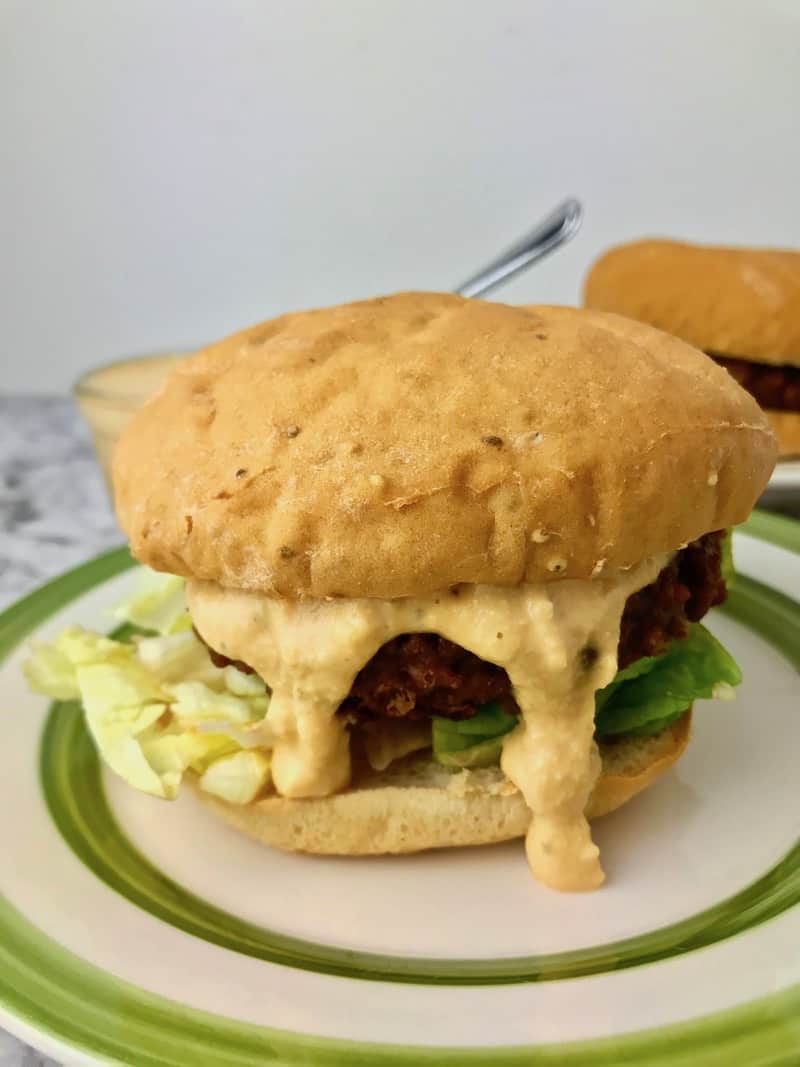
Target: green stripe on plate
59,994
777,529
71,778
17,621
760,608
772,615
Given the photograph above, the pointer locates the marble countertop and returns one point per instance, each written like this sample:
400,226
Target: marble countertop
54,508
54,513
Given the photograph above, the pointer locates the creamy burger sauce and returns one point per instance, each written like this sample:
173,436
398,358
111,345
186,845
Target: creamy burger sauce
309,652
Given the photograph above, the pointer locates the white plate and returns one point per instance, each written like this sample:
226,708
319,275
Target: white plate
786,475
784,485
139,932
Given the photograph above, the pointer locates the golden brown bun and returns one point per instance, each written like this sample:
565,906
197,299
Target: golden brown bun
742,302
416,804
400,445
786,426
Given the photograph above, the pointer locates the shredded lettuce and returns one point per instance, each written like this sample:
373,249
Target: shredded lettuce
156,706
196,702
157,603
237,778
175,657
52,669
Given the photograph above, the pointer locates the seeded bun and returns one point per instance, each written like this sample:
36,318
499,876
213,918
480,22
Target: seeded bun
401,445
738,302
415,804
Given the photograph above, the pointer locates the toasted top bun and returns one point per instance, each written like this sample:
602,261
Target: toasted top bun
416,804
741,302
398,446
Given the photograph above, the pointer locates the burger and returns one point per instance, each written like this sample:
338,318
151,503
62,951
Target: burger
432,571
740,305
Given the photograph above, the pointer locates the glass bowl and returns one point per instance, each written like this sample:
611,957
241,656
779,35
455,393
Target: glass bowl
109,396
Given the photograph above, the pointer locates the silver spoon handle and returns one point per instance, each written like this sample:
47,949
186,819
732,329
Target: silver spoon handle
559,226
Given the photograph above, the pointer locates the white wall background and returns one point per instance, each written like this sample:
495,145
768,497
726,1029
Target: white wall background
174,170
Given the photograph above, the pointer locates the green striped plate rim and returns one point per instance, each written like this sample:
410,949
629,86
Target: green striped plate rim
86,1008
71,778
61,995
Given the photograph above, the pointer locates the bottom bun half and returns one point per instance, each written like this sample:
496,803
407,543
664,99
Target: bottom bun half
416,804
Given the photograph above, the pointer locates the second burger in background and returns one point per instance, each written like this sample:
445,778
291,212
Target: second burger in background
740,305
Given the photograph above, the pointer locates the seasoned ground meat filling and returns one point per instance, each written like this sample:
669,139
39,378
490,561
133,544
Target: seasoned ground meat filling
418,675
777,388
223,661
686,588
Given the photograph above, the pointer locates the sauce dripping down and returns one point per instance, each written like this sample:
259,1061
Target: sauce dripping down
556,640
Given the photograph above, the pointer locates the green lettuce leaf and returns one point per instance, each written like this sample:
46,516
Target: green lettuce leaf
643,698
475,742
648,695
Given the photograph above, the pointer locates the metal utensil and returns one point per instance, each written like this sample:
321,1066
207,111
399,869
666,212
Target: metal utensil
556,229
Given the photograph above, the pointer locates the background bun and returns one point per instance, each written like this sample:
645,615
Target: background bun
736,301
786,427
416,804
400,445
